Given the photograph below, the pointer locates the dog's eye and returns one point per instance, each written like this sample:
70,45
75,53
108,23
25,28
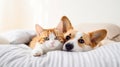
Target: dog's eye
68,37
46,38
81,41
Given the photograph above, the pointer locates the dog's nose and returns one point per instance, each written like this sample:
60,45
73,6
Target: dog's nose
69,46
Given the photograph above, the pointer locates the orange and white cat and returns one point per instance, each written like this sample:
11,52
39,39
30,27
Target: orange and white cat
79,41
47,40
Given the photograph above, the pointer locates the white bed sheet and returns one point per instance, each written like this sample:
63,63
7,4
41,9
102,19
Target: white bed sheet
20,56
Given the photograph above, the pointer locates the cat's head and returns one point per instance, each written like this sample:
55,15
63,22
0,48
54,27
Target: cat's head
50,38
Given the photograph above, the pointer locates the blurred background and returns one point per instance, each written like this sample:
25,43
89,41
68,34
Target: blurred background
23,14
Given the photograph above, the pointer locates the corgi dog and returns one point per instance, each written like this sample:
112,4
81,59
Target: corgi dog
79,41
47,40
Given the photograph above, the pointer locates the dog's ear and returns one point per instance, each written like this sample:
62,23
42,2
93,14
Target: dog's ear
39,29
60,27
66,24
97,36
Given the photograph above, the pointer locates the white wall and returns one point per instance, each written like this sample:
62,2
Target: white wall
23,14
81,11
19,14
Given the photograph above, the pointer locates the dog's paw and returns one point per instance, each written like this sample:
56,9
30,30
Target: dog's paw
37,53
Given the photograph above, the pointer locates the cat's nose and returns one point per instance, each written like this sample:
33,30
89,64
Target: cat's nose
53,42
69,46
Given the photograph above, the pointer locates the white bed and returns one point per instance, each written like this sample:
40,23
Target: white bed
18,54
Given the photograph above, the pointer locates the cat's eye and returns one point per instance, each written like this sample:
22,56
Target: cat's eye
68,37
56,38
46,38
81,41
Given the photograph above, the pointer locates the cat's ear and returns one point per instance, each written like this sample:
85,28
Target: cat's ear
38,28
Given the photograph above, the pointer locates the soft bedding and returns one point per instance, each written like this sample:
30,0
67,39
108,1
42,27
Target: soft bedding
20,56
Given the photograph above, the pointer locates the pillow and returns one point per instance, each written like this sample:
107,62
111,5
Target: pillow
19,36
112,29
3,40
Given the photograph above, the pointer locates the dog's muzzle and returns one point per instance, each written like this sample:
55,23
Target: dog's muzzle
69,46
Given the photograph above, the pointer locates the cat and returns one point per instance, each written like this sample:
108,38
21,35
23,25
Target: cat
47,40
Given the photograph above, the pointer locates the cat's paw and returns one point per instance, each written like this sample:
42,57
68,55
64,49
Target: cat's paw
37,53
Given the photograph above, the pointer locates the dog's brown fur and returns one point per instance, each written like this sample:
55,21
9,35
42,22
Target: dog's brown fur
91,38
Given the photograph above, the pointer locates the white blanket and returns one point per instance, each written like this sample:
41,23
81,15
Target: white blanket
20,56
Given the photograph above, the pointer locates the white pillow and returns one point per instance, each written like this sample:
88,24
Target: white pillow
112,29
19,36
3,40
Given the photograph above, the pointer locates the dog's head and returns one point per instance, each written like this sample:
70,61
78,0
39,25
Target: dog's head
77,41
